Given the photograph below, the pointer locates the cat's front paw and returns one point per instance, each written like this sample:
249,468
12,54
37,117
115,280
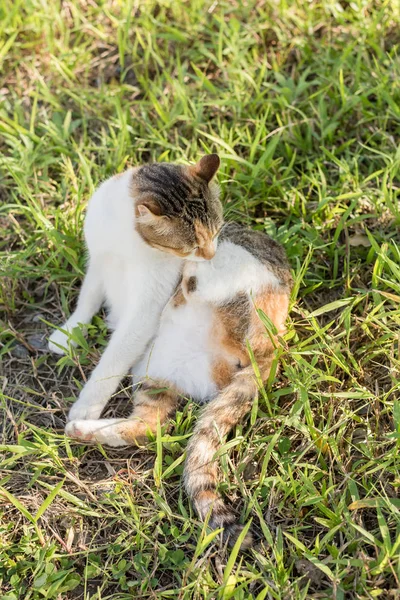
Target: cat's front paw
79,430
84,409
58,342
103,431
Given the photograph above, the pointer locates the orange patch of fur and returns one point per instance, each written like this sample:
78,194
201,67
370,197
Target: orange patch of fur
229,339
149,409
275,305
178,298
205,241
207,495
206,499
222,372
230,346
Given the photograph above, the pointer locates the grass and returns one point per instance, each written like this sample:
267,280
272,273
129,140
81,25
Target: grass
302,102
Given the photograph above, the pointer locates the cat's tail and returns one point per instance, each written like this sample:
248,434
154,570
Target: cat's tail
201,470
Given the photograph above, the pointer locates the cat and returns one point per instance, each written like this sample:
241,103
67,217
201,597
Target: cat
199,350
140,227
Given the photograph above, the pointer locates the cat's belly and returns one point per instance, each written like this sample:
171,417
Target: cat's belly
181,353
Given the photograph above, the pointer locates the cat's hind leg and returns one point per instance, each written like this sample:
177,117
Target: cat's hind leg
200,474
154,402
223,413
90,299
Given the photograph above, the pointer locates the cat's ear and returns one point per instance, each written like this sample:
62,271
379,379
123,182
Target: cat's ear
148,211
206,167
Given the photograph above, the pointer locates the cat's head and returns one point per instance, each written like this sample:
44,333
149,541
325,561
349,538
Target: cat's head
177,208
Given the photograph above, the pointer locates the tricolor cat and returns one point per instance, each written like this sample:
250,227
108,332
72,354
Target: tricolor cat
183,311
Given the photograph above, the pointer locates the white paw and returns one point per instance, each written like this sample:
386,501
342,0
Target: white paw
104,431
84,409
57,339
79,430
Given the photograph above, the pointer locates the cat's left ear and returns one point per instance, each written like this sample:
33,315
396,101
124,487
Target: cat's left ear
206,167
148,211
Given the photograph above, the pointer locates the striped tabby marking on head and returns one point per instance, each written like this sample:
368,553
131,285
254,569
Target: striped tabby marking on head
177,208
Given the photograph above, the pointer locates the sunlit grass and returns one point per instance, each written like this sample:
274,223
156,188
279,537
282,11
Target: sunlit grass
302,102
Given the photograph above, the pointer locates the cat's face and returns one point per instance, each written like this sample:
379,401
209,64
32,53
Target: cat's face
178,209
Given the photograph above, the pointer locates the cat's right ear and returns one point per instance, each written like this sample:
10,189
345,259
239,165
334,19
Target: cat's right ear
206,167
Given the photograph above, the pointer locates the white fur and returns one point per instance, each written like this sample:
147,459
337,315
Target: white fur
133,279
232,270
104,431
182,352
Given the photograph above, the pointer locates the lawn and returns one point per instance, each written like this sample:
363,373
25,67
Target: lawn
301,99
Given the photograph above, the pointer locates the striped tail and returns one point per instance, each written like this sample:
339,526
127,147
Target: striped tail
201,470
